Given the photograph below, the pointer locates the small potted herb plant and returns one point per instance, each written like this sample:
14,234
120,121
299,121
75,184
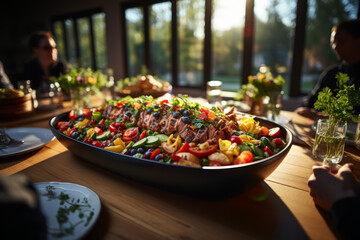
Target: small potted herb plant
339,106
263,92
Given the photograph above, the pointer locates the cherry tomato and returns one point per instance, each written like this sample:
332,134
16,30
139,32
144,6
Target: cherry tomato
244,157
202,116
72,116
268,151
264,131
62,126
113,127
184,148
203,152
236,139
278,142
130,133
154,153
96,143
143,135
275,132
71,131
86,113
203,110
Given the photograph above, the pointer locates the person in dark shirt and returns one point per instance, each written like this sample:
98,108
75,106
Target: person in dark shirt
339,193
345,42
44,62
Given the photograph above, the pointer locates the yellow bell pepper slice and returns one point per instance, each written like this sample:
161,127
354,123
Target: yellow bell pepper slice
176,144
115,148
89,132
119,142
82,124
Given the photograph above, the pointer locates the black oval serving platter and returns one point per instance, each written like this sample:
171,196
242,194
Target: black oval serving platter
202,182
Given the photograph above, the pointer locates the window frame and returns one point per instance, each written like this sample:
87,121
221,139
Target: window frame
74,17
298,45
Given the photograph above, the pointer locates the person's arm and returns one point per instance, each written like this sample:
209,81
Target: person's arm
338,193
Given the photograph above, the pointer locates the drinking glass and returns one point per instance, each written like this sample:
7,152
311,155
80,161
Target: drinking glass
357,135
329,141
213,91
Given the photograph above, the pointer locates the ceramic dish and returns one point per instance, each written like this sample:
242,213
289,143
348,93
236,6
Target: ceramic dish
58,199
34,138
205,181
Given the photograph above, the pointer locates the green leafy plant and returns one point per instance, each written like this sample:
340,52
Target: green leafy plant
339,105
81,78
261,85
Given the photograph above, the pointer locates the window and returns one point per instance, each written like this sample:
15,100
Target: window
227,42
274,31
189,42
317,53
81,38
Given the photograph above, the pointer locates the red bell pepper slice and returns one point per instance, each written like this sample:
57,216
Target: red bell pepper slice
154,153
184,148
98,131
143,135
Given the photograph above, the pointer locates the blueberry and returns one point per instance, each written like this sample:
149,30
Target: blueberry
156,106
128,113
185,113
126,107
71,124
159,157
149,110
133,151
140,150
75,135
181,111
156,114
147,154
185,119
80,119
176,115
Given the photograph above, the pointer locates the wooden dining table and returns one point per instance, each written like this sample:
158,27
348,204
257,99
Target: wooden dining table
280,207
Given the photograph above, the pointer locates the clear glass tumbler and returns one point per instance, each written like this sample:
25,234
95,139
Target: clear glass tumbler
329,141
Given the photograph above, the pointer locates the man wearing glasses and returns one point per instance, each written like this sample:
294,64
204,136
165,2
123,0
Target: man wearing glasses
44,62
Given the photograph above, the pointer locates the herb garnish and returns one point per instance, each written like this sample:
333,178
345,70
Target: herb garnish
69,206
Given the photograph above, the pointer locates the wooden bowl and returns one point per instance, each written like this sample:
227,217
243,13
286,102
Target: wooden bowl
11,108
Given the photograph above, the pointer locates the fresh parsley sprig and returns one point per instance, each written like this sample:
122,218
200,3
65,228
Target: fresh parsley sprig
339,105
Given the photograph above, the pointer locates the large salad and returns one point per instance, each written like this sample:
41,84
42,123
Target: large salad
175,132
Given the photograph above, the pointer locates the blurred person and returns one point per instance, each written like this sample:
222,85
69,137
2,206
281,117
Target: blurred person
4,79
21,216
339,193
345,42
44,62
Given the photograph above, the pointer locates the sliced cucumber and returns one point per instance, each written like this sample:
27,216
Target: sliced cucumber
103,136
152,141
162,137
140,143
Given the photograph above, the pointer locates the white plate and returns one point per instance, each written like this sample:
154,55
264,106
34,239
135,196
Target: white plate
34,138
51,204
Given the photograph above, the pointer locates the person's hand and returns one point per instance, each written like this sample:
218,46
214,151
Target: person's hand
326,187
